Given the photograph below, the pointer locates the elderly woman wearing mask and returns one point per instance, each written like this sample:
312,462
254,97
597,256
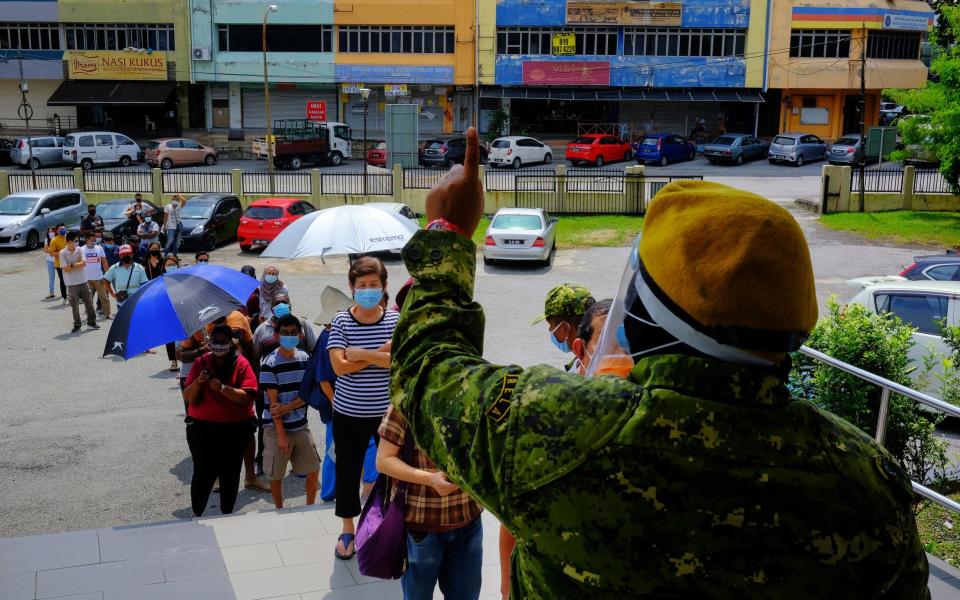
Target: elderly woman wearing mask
269,287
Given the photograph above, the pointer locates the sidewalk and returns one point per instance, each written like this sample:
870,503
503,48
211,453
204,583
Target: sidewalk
286,555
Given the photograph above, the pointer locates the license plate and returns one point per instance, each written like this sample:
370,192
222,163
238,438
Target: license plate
839,152
513,242
777,156
261,242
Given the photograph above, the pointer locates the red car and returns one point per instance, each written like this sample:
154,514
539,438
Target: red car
377,156
265,218
598,149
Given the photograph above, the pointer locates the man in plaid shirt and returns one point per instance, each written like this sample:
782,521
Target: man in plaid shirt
444,534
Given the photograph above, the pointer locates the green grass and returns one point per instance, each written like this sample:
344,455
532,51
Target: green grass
937,538
583,231
939,228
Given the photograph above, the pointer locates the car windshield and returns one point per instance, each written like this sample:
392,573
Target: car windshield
785,141
846,142
264,212
69,140
17,205
725,140
382,146
435,145
583,140
525,222
113,210
649,141
196,210
501,143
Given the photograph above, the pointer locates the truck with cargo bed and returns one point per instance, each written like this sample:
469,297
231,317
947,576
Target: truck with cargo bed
297,142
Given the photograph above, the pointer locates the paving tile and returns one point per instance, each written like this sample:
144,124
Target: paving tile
244,530
90,596
154,541
267,583
251,558
18,586
215,587
192,565
331,522
35,553
92,578
360,579
381,590
305,550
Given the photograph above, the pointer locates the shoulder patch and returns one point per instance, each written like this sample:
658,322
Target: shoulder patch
500,408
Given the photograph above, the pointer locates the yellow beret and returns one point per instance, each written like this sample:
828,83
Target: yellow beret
732,264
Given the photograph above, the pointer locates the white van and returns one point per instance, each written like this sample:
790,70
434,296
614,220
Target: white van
89,148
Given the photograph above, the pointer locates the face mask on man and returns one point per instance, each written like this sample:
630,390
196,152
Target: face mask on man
281,310
561,346
108,245
89,242
289,342
368,297
146,219
126,259
62,231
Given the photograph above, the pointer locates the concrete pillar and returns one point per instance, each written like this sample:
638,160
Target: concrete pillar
157,186
909,176
397,182
235,99
78,179
633,188
4,183
236,182
561,184
315,187
842,188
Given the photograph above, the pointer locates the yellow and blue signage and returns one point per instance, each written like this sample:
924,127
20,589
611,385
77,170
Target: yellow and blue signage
823,17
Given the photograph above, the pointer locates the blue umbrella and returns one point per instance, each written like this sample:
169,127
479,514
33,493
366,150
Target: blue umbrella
174,306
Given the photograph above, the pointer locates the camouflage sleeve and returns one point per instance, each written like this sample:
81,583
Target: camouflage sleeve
457,404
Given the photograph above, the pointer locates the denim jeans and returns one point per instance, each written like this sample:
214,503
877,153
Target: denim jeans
452,559
173,241
51,276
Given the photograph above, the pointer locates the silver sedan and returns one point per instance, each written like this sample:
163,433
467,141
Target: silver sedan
520,234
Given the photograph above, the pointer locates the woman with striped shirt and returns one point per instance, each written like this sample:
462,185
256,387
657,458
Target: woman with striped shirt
360,356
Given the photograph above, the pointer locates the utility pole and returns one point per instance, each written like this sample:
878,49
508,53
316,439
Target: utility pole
863,115
266,98
25,112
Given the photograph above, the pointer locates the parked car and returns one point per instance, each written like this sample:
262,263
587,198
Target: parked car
265,218
115,219
89,148
520,234
598,149
40,151
735,148
920,154
400,208
516,151
5,146
663,148
446,152
939,267
174,152
25,216
377,156
209,219
797,148
847,150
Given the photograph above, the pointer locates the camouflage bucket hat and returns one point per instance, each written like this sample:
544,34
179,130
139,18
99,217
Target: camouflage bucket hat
567,299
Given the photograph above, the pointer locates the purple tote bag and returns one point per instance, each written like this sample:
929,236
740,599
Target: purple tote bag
382,533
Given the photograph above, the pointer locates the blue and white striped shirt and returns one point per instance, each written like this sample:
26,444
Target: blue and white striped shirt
365,393
277,372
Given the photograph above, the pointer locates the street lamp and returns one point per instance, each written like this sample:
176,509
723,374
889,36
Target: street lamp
365,94
266,95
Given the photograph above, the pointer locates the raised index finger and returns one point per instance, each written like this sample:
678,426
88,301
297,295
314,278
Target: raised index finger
471,162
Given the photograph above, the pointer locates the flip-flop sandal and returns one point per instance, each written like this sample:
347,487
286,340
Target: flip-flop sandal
346,539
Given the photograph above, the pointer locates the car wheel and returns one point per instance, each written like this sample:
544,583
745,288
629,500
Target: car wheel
549,260
210,160
336,159
627,155
166,164
712,161
692,155
33,240
33,164
739,159
799,162
663,161
772,161
209,242
599,162
487,261
245,248
516,163
547,158
295,163
125,161
86,164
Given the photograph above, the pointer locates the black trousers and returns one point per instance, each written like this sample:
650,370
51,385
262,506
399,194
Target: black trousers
63,286
171,351
351,436
217,451
259,403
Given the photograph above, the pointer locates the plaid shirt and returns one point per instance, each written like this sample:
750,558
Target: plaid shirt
427,511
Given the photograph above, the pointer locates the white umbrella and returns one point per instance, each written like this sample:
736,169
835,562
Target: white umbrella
347,229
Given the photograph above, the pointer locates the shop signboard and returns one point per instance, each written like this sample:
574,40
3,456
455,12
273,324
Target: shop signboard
115,64
906,22
636,13
395,90
350,88
564,44
566,72
415,74
316,110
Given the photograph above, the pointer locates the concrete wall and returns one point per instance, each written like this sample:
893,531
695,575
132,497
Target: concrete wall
40,91
839,197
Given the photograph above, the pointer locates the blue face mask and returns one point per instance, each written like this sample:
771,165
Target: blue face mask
368,297
171,268
561,346
289,342
108,245
622,338
270,278
281,310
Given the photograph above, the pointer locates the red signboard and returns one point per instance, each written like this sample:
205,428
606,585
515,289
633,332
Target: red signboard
566,72
316,110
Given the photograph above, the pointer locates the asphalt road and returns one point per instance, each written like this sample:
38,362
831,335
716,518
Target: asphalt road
97,442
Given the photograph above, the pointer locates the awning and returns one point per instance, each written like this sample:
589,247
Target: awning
647,94
104,93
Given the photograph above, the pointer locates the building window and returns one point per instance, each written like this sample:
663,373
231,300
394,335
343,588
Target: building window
280,38
396,39
670,41
29,36
590,41
819,43
117,36
889,44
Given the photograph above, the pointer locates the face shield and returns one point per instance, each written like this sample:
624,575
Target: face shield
608,357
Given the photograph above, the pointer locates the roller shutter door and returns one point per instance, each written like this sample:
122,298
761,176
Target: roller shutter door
284,104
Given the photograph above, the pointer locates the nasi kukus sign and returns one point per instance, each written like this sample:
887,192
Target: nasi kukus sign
636,12
115,64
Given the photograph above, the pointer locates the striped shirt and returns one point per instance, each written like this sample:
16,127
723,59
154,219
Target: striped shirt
277,372
365,393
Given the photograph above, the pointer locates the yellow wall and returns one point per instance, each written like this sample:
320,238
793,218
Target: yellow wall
458,13
756,43
40,92
830,99
487,10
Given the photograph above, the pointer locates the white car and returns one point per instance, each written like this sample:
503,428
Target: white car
520,234
516,151
89,148
401,209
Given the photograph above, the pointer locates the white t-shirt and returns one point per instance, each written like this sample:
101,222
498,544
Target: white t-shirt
94,268
73,276
148,227
173,215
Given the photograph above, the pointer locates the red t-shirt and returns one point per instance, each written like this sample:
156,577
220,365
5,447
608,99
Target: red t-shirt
213,405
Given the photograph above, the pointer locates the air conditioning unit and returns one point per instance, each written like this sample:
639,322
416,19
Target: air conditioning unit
201,54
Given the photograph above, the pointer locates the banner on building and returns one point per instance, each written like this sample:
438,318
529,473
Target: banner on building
395,90
638,13
316,110
905,22
115,64
564,44
350,88
566,72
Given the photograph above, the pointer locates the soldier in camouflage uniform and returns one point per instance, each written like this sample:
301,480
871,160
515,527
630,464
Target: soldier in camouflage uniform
699,477
563,310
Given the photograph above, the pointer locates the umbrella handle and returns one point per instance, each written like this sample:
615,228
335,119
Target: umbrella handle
322,252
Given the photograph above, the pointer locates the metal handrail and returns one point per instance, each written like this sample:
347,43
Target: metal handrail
897,388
